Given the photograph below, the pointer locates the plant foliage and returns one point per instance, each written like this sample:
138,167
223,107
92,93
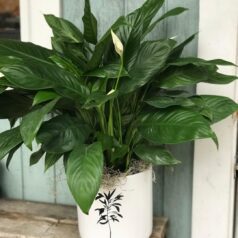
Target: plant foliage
104,102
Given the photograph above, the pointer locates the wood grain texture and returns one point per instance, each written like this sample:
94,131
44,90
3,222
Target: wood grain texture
39,220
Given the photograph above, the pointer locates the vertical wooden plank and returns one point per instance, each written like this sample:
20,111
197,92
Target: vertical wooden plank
11,185
178,192
37,185
213,186
178,181
63,195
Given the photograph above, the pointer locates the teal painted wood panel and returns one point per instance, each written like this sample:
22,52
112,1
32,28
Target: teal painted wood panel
11,181
178,182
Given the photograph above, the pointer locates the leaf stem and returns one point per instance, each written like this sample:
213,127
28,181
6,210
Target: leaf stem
101,119
110,121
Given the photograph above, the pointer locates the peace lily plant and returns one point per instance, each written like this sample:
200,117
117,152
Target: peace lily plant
104,103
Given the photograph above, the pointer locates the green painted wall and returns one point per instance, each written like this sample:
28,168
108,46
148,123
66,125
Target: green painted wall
173,186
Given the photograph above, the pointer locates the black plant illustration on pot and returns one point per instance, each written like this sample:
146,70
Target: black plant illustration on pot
110,210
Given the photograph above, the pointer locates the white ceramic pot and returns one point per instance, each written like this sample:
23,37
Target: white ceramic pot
121,212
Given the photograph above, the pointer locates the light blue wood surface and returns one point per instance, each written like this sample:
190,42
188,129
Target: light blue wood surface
173,186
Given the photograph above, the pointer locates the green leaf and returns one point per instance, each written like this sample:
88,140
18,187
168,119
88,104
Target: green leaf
84,174
62,134
164,102
118,152
150,60
175,126
90,24
44,96
11,153
51,159
98,98
21,76
218,78
180,76
222,62
177,51
36,156
31,123
9,60
200,62
139,21
35,75
173,12
24,50
155,155
103,44
107,71
2,89
64,29
9,140
14,104
106,140
220,107
73,52
66,64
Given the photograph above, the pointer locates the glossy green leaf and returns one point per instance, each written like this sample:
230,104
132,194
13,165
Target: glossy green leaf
84,174
218,78
2,89
11,154
9,60
164,102
107,71
64,29
36,156
177,51
23,50
190,75
222,62
173,12
66,64
138,22
22,76
70,52
62,133
44,96
38,75
31,123
150,60
155,155
9,140
118,152
14,104
51,159
200,62
103,44
175,126
220,107
90,24
106,140
99,98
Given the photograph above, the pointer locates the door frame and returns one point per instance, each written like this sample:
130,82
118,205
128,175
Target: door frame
214,170
32,12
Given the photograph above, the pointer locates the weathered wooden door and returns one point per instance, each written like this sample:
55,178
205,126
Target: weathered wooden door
173,186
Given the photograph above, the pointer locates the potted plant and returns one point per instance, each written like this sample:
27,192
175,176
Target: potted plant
109,108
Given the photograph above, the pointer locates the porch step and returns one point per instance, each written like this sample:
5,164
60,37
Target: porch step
20,219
